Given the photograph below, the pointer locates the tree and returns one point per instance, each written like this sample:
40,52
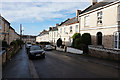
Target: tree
59,42
86,38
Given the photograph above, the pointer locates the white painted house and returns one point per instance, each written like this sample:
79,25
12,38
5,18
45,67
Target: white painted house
43,36
67,29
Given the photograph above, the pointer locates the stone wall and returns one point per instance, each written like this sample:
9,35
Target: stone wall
3,57
100,52
8,53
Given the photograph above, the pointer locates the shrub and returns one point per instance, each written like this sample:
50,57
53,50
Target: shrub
4,44
86,38
19,42
14,43
75,36
59,42
77,42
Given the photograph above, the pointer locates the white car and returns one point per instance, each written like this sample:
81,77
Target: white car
28,45
48,47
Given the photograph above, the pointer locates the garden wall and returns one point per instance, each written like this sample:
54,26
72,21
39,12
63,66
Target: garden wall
8,53
73,50
104,53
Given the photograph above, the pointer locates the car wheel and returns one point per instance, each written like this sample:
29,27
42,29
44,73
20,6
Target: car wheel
30,57
43,56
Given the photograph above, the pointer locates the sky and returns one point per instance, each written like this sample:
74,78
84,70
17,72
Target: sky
37,15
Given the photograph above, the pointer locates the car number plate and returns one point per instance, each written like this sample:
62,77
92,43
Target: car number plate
37,54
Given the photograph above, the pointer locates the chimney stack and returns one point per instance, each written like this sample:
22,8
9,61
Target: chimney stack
93,2
78,12
57,24
50,28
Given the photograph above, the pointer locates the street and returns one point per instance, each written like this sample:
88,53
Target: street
58,65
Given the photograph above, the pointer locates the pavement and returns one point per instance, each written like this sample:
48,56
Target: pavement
18,66
60,65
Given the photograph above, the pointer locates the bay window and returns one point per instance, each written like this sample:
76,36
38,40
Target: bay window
86,21
117,40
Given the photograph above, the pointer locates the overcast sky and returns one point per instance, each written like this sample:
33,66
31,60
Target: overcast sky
36,15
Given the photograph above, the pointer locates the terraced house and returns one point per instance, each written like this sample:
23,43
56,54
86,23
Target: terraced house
53,34
43,36
7,33
4,30
102,21
67,29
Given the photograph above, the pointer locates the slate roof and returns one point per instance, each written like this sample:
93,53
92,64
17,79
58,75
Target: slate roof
53,29
69,21
43,32
97,5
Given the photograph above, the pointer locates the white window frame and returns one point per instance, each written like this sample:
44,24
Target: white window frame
64,30
117,46
99,17
60,30
87,20
77,29
0,24
70,28
118,12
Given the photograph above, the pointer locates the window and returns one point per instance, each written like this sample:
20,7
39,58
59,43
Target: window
0,27
54,34
0,24
86,21
117,40
77,30
119,13
99,17
70,28
64,30
61,30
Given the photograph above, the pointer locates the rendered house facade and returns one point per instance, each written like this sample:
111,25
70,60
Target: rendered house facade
53,35
43,36
102,21
67,29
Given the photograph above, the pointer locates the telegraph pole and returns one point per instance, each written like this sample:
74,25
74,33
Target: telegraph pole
20,34
20,31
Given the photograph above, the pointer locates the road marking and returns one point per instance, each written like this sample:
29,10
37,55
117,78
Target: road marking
33,71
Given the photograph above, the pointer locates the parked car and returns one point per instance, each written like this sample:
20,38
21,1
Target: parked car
28,45
35,52
48,47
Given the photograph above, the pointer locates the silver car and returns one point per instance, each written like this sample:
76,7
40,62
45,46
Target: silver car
48,47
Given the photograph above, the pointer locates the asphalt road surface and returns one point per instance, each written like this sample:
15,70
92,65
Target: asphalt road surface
60,65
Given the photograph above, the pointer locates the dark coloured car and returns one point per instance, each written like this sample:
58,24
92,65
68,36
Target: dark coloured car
36,52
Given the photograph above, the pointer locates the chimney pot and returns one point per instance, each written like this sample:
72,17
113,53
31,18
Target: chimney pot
93,2
57,24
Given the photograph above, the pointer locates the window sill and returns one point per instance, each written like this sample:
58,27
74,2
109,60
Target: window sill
99,25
